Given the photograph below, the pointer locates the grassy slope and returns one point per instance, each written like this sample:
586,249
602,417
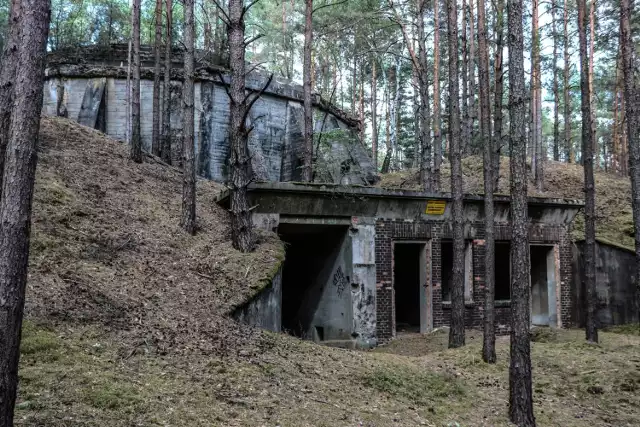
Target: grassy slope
614,222
125,325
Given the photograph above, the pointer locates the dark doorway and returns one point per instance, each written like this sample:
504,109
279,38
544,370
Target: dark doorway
408,274
503,271
311,255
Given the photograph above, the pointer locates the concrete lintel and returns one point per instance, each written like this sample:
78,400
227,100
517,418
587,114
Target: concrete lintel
314,220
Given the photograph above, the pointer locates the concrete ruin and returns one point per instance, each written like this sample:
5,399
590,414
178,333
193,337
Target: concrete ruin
615,286
88,84
365,264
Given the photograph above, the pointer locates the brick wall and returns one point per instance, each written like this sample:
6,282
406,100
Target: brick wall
390,231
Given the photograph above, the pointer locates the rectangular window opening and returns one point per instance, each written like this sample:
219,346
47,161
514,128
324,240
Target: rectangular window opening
503,271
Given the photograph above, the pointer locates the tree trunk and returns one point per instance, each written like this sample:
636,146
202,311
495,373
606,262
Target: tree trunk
537,158
568,144
307,168
429,178
242,234
127,132
589,185
473,107
437,132
489,336
17,194
632,113
466,132
388,83
7,79
596,151
361,106
136,140
374,114
188,221
498,93
155,139
556,95
456,332
520,389
165,149
415,80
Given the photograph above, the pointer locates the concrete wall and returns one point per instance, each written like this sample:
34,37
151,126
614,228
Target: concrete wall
615,282
275,142
265,309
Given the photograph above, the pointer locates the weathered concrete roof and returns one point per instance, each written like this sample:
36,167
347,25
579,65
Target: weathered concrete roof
333,200
95,61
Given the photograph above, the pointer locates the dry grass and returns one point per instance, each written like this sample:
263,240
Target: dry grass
126,326
107,248
614,222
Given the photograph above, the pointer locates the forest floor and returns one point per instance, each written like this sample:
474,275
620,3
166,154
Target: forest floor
614,215
127,325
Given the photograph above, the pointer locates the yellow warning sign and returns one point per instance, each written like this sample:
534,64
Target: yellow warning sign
435,207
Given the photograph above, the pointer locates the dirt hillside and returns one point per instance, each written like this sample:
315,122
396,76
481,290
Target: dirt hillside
107,247
614,221
126,325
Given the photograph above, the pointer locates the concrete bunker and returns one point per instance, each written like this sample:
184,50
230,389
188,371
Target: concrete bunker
364,264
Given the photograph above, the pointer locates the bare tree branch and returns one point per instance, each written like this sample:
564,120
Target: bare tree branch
225,85
255,98
328,5
225,17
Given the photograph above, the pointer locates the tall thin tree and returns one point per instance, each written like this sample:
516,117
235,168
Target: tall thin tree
136,138
632,114
456,333
566,76
307,166
242,235
428,177
374,113
437,127
7,79
165,149
589,184
17,192
188,221
520,388
489,336
537,159
556,94
155,137
498,91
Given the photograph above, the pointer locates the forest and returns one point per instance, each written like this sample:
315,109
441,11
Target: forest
429,83
365,55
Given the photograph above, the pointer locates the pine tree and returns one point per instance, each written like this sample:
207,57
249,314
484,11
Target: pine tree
489,336
589,185
165,149
632,113
19,177
520,388
136,139
307,167
155,138
456,332
188,220
7,79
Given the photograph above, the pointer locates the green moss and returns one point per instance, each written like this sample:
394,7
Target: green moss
39,343
111,393
419,387
629,329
